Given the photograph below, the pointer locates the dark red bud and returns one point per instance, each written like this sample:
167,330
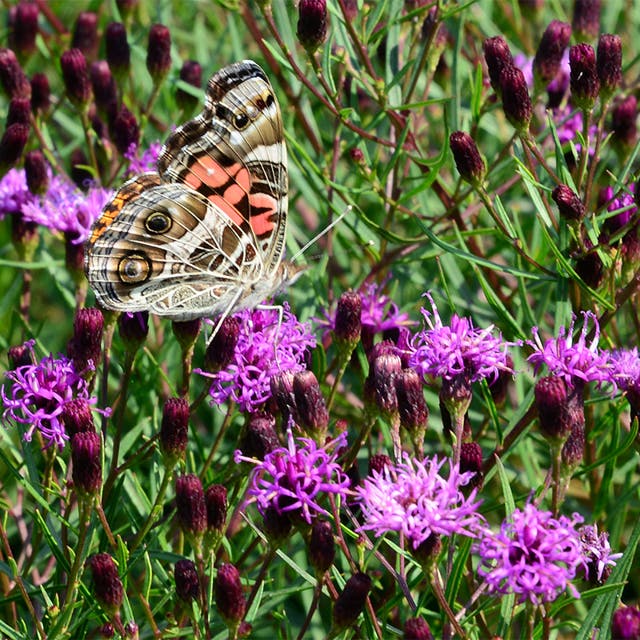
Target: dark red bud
12,78
86,448
117,49
104,85
516,101
569,203
259,436
229,596
36,172
586,19
187,580
553,43
348,323
469,162
23,27
585,84
310,407
191,73
190,504
76,77
312,23
216,500
19,112
85,34
77,416
351,601
40,92
125,131
498,56
417,629
322,546
107,586
222,347
609,63
174,429
133,328
159,52
12,144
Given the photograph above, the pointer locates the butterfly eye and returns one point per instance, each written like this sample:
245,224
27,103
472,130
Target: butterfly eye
134,269
241,121
158,223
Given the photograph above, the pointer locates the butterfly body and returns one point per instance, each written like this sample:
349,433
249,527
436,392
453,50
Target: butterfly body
206,234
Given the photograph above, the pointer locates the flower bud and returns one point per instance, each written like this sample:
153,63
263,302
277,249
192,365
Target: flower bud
133,328
378,462
414,413
499,386
381,382
85,346
216,501
572,452
609,63
107,630
259,436
312,24
76,77
126,7
625,623
186,332
174,429
586,19
427,551
187,581
77,417
468,160
471,460
37,172
276,526
107,586
19,112
24,27
12,78
40,92
585,85
159,52
229,597
554,41
351,601
623,122
21,355
590,268
322,546
190,505
85,34
348,322
103,85
80,176
281,385
515,98
222,346
569,204
117,49
417,629
191,73
310,406
125,131
12,144
552,402
498,56
86,448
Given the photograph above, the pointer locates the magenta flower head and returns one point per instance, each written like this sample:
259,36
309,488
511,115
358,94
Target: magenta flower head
596,551
576,362
458,349
36,394
534,555
625,624
267,345
294,479
412,497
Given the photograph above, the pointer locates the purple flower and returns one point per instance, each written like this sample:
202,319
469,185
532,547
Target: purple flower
568,122
412,497
624,206
596,552
267,344
626,368
37,393
579,362
534,555
14,193
145,162
66,209
458,349
295,478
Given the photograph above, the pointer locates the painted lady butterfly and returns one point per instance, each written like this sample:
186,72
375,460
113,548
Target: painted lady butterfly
206,234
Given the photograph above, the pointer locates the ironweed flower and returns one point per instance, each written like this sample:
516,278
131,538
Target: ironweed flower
413,498
321,546
586,19
459,349
76,77
36,172
609,63
548,58
312,23
534,555
23,27
85,34
577,363
124,129
498,56
265,347
36,394
469,162
117,48
229,597
12,144
625,624
623,122
596,552
624,206
569,203
142,162
191,508
417,629
159,52
14,192
174,429
12,78
40,92
351,601
86,447
294,479
516,102
585,84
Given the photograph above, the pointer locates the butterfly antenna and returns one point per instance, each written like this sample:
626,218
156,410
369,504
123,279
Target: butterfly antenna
322,233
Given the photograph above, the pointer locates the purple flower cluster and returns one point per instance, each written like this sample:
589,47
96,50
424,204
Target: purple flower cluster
66,209
268,343
534,555
596,552
14,193
575,362
459,349
624,205
295,478
413,498
142,163
37,394
625,368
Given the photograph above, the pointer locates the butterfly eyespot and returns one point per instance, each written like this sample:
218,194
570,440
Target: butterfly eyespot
269,100
241,121
158,222
134,269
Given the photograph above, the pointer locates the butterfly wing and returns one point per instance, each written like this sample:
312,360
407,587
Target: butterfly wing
207,234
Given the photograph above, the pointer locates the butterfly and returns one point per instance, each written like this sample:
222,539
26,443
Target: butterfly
205,235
